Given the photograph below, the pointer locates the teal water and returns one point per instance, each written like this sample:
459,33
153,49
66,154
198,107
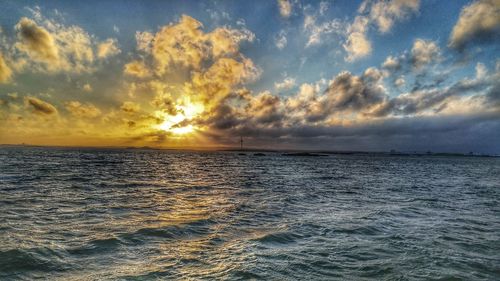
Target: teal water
83,214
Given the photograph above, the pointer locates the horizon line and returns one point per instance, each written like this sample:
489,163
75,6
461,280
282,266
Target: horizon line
256,149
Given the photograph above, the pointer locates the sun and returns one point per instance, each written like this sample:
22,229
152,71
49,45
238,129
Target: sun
182,130
185,112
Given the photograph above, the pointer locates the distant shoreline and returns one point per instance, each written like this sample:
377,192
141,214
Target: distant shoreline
292,152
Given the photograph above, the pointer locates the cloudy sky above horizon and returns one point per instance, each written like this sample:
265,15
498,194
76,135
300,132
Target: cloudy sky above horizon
340,75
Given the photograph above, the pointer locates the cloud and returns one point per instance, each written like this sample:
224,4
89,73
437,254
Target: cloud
479,21
286,84
481,71
400,82
381,13
424,52
226,41
5,71
137,68
144,41
40,106
130,107
280,40
424,59
317,31
186,75
46,45
350,92
216,83
218,16
9,102
357,44
223,117
392,64
80,110
385,13
182,64
180,45
36,41
107,48
87,88
285,8
265,108
493,96
185,45
194,77
346,93
428,101
305,103
323,7
451,133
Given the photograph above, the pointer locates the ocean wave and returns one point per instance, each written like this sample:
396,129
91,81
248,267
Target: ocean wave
279,238
34,259
97,246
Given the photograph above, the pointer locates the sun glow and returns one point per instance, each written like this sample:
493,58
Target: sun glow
186,112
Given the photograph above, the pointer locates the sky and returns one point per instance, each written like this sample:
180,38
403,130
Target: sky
367,75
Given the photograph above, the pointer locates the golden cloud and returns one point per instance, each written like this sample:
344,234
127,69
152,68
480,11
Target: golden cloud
80,110
107,48
184,44
187,73
5,71
137,68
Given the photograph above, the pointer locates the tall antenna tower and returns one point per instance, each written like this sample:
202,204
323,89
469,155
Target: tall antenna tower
241,142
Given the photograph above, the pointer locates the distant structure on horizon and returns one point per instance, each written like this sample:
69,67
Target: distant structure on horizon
241,142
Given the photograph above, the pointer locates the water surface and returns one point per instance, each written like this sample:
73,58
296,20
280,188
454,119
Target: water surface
95,214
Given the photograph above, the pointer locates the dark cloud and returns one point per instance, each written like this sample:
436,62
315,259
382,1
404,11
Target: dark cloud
347,93
422,100
223,117
130,107
350,92
41,106
265,109
438,133
494,94
424,82
303,120
131,124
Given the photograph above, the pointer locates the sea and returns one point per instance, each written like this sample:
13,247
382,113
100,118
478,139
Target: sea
132,214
